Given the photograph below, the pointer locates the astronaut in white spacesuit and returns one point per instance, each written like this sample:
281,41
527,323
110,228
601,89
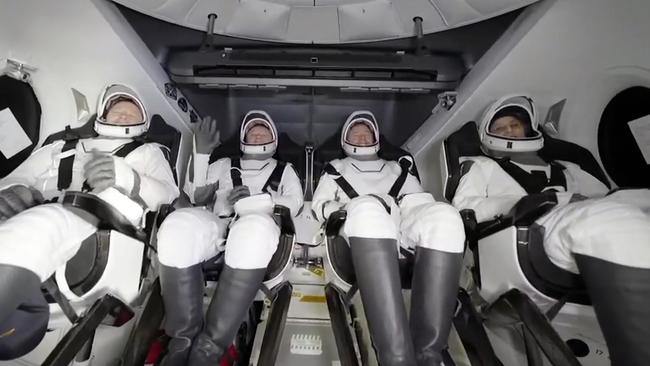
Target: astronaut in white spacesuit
37,239
249,187
387,208
605,238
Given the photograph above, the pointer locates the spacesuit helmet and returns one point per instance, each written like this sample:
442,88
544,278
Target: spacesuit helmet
251,120
510,125
120,113
353,148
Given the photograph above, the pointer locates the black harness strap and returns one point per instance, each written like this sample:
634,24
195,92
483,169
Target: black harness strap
535,181
275,178
235,172
405,164
342,182
65,165
128,148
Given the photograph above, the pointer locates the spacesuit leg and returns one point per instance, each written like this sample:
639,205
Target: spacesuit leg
251,243
608,241
372,235
186,238
436,229
33,245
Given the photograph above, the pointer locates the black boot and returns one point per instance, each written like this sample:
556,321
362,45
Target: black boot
433,300
24,313
620,296
377,272
235,294
182,291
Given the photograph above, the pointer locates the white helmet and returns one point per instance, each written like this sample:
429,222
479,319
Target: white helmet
252,119
520,107
367,118
111,95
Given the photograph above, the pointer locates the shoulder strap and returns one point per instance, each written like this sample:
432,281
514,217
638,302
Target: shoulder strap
535,181
342,182
405,164
235,171
126,149
65,165
275,178
557,175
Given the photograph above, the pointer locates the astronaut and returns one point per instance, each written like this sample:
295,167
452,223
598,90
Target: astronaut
37,239
605,238
387,208
247,187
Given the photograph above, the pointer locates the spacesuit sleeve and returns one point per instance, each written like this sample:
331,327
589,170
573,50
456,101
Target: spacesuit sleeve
200,176
581,182
473,193
157,185
290,191
326,198
36,164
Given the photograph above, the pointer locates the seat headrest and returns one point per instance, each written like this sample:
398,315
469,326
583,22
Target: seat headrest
21,100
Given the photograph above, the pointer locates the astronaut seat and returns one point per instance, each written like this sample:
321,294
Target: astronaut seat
94,297
275,288
508,263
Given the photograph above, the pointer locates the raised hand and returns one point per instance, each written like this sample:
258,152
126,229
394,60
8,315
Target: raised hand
206,135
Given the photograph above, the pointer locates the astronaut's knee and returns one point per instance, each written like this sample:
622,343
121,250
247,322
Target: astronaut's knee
187,237
252,241
368,217
440,227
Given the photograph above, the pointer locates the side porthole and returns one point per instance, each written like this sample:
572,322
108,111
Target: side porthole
620,140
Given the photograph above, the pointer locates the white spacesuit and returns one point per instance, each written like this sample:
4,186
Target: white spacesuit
249,187
605,238
386,207
38,239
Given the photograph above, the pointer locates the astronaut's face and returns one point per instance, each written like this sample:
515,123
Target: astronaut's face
259,135
124,113
360,135
508,126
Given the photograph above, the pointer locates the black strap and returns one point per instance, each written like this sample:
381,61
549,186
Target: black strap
405,164
342,182
52,289
275,178
65,165
535,181
128,148
235,172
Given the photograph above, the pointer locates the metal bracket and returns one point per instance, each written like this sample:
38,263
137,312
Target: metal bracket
446,100
18,70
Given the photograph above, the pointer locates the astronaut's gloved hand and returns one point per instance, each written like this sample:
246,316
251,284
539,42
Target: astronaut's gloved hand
18,198
206,135
238,193
104,171
99,171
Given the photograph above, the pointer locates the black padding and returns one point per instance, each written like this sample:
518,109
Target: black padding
544,274
19,97
24,328
619,150
464,142
556,149
86,268
282,254
341,258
